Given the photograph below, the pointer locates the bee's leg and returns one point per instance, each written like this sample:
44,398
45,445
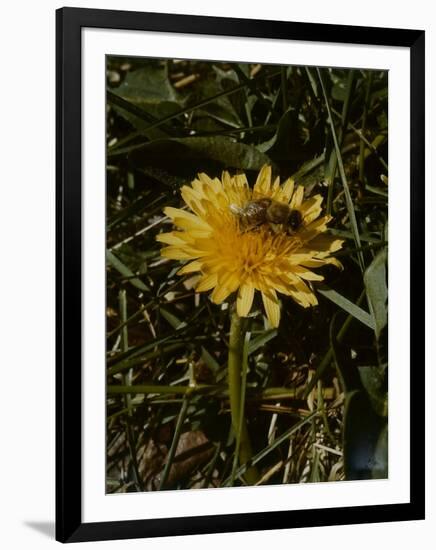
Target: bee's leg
276,228
246,227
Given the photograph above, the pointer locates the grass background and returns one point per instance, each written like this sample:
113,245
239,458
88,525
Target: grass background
316,394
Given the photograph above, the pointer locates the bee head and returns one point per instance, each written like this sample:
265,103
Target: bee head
295,219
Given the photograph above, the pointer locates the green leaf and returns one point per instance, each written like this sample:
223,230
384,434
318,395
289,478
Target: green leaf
148,85
210,361
149,90
142,123
339,91
125,271
348,306
223,150
363,457
224,109
315,476
172,319
380,468
261,340
286,136
377,291
374,381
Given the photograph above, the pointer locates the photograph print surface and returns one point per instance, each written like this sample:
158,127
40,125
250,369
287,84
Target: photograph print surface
246,281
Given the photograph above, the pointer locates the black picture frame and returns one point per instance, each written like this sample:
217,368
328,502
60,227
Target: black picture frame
69,525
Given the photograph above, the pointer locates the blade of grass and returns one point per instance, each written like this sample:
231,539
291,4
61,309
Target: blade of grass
261,340
348,306
267,450
311,165
244,129
128,320
363,128
127,377
137,206
127,380
270,473
211,389
134,352
149,389
139,232
349,235
118,101
312,81
211,467
328,357
125,271
250,82
172,319
273,105
371,146
322,411
348,199
333,161
174,443
210,361
373,247
125,365
284,89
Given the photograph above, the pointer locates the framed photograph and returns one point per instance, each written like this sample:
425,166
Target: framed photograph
240,275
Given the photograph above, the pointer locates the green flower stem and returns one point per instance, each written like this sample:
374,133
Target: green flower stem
235,362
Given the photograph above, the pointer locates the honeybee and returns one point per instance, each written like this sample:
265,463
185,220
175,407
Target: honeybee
258,212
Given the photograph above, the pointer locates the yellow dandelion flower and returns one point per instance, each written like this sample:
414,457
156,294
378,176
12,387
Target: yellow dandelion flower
270,259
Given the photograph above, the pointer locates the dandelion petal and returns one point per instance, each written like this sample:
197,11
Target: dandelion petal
288,189
171,238
307,274
191,267
272,307
297,197
263,182
207,282
245,300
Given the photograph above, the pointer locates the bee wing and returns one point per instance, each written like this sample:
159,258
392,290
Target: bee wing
236,210
252,214
256,209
